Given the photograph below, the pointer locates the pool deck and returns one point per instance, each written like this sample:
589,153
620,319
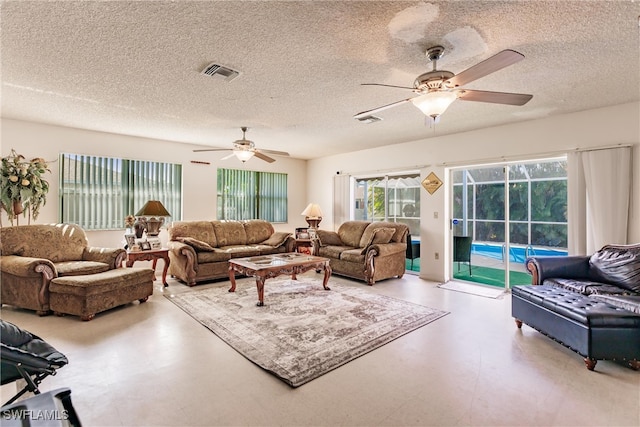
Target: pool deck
485,261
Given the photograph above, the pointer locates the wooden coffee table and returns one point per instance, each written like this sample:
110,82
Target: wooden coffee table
265,267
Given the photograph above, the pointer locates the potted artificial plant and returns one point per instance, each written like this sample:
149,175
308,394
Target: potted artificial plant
23,188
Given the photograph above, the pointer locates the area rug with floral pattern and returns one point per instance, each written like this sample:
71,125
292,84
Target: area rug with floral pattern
302,331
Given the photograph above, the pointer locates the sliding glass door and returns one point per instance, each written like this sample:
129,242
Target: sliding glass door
394,198
494,230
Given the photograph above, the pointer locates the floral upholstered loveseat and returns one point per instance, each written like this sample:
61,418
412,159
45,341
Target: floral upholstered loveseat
364,250
34,255
200,250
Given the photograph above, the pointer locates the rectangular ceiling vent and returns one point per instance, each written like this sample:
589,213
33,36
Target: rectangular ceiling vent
369,119
220,71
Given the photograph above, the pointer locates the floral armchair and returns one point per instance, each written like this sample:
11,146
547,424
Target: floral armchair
32,255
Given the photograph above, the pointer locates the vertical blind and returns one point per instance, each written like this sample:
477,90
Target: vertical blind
246,194
99,192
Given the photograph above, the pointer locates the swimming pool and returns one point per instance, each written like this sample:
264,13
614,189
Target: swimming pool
516,253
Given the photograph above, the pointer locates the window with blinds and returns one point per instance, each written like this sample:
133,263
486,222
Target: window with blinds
244,194
97,193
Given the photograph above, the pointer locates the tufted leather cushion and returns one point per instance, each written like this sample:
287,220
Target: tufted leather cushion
630,303
583,309
618,265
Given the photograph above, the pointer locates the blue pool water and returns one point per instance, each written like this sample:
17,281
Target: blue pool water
516,253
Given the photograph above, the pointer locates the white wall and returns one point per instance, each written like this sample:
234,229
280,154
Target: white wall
593,128
199,181
530,139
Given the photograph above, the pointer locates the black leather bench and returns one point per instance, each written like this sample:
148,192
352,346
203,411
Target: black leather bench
593,328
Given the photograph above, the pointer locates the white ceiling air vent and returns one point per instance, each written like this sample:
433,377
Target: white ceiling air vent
369,119
217,70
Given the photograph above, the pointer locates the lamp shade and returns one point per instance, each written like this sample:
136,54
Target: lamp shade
243,155
153,208
312,211
433,104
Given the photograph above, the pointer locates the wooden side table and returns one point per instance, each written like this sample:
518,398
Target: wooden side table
303,246
152,255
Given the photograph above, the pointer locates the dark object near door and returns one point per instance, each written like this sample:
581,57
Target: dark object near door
462,250
413,249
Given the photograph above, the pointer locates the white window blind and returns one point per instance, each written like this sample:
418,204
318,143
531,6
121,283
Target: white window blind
97,193
246,194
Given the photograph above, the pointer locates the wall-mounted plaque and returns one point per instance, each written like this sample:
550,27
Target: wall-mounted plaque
431,183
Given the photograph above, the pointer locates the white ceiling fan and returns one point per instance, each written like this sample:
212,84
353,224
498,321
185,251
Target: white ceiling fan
244,149
437,89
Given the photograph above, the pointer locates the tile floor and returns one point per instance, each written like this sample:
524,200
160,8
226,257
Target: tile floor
152,365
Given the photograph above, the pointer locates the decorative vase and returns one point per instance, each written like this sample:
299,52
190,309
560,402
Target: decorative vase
17,207
139,227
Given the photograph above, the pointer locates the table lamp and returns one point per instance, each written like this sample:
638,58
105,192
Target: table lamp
313,215
152,217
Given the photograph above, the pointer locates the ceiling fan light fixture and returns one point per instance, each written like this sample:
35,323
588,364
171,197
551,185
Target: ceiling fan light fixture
243,155
434,103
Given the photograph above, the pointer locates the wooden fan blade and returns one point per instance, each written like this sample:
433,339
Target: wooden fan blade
263,157
494,97
496,62
211,149
380,84
275,153
384,107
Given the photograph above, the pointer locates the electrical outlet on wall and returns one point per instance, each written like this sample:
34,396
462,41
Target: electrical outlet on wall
435,215
437,255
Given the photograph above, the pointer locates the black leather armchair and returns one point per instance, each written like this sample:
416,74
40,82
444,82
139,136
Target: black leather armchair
26,356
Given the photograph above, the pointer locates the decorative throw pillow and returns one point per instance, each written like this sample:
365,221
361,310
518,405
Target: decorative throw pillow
618,266
198,245
277,239
329,238
380,236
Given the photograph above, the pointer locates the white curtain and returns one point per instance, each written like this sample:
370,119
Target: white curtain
341,199
606,177
576,205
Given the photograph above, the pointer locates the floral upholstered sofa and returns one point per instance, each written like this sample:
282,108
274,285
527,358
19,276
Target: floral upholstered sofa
364,250
200,250
32,256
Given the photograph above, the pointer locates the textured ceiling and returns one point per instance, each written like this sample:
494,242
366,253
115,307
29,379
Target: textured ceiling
135,67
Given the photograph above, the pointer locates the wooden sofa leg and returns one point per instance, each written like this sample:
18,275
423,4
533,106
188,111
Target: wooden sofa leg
88,317
518,323
634,364
591,363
